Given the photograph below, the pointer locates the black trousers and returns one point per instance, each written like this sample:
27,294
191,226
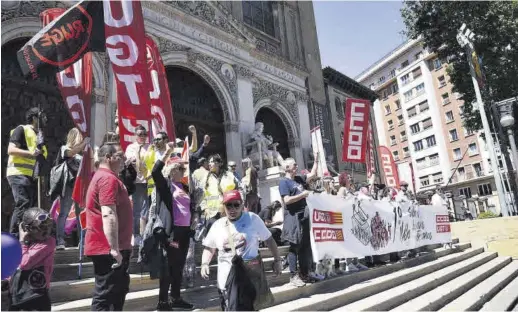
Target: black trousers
276,234
25,195
176,255
111,285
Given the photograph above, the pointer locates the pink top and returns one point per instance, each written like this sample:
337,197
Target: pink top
181,205
39,254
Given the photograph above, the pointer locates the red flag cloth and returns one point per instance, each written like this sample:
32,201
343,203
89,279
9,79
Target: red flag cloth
356,126
161,108
371,165
126,48
389,167
75,84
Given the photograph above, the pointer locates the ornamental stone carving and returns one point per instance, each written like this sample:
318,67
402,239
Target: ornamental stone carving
228,72
168,45
294,143
231,127
245,72
14,9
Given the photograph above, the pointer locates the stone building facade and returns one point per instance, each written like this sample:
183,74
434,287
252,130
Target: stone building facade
229,64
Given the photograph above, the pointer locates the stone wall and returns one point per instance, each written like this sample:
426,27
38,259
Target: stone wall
496,234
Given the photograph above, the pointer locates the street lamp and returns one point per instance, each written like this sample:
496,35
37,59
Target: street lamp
505,109
465,38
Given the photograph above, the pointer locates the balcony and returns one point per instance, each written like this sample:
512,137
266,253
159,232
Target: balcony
434,161
396,158
403,138
406,154
446,101
393,142
401,122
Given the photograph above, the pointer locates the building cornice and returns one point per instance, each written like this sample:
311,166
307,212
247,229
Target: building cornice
347,84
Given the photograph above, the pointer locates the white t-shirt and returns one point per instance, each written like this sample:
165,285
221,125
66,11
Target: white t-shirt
246,232
131,152
278,216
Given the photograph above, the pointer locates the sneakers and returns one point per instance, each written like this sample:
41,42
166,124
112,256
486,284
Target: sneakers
316,276
351,268
60,247
163,306
179,303
361,267
296,281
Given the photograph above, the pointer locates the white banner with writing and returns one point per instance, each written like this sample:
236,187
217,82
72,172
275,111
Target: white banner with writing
351,228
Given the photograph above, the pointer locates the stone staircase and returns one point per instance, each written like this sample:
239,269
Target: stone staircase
458,278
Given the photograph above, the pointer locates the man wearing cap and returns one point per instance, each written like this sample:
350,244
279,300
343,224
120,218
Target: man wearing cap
23,150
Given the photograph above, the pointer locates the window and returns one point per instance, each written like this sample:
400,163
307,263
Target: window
411,112
405,79
427,123
387,109
408,95
404,64
425,181
430,141
449,116
419,89
381,80
457,154
423,106
453,135
461,110
396,155
418,55
473,150
390,124
259,15
421,163
418,145
416,73
437,178
415,128
393,140
478,169
445,98
461,172
434,160
398,105
403,136
485,189
394,88
385,93
406,152
392,73
437,63
400,120
467,132
466,191
442,81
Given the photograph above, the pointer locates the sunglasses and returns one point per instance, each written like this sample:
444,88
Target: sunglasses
142,134
43,217
232,167
158,139
233,205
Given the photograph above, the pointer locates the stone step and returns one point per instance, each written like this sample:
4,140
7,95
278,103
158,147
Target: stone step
207,297
504,300
398,295
475,298
440,296
63,291
332,294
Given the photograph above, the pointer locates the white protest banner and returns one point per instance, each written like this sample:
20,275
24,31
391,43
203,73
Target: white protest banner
316,143
348,228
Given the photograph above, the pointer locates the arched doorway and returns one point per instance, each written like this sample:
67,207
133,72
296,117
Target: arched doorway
18,95
274,126
195,103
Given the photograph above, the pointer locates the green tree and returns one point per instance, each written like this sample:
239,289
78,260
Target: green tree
495,24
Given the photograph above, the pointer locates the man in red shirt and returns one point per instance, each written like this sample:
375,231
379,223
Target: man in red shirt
109,220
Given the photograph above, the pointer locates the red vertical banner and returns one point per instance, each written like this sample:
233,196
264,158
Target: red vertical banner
413,176
389,167
356,126
126,48
75,84
161,108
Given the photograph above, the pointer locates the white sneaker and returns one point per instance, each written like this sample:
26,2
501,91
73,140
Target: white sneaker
351,268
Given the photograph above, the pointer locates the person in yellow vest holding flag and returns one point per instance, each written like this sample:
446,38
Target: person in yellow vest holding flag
24,148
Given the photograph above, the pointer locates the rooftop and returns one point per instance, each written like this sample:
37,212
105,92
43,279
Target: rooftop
335,77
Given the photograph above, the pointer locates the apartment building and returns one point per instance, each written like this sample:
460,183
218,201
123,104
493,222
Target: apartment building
420,119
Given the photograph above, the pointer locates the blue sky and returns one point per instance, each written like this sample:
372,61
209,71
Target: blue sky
354,34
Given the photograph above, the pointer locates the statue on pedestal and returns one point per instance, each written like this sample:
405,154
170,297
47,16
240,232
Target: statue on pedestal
262,148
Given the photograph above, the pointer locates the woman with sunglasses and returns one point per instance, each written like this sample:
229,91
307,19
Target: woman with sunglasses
246,229
174,195
35,270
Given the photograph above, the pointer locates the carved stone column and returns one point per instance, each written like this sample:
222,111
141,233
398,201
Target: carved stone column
100,115
245,101
304,124
233,143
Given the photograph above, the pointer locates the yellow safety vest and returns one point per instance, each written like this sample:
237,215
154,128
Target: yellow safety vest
18,165
149,161
212,202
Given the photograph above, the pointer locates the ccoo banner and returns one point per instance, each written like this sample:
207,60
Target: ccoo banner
389,167
359,228
356,126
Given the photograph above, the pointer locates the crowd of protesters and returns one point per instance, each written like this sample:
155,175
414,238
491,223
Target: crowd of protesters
164,197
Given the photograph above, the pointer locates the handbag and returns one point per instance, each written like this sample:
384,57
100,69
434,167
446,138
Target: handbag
255,271
27,285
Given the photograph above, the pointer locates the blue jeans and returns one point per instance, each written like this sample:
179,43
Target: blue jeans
65,205
140,206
